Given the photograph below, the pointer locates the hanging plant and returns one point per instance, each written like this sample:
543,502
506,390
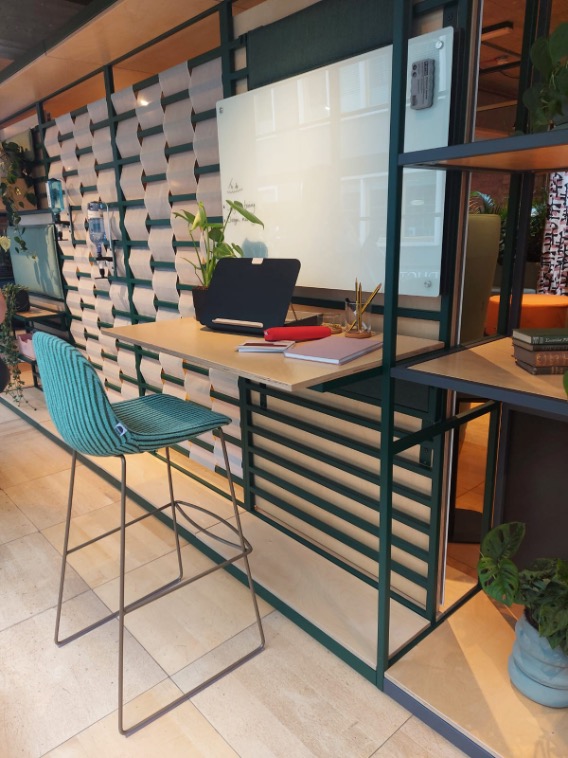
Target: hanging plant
9,350
16,187
547,100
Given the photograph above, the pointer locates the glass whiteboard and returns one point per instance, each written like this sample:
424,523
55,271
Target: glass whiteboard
309,156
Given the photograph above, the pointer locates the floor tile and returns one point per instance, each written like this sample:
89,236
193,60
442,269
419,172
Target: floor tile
55,692
187,623
99,563
44,499
182,733
416,740
297,699
13,523
30,456
335,601
146,476
293,699
11,424
29,567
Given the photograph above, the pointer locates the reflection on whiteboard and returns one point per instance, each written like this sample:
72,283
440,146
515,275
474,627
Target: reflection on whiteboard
309,156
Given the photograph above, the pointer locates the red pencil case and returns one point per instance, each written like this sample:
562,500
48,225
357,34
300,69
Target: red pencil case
296,333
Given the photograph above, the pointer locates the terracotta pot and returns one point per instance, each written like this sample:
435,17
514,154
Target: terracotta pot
537,670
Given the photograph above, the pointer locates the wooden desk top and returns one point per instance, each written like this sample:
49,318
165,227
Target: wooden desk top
196,344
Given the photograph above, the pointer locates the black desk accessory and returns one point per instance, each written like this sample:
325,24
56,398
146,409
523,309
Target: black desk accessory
249,295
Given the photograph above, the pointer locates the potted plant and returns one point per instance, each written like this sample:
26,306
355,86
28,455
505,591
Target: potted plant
547,100
538,665
209,239
16,187
483,203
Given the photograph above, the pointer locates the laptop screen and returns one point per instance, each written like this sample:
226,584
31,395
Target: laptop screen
250,295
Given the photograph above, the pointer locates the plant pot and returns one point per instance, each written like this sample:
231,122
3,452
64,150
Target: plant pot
199,302
22,301
536,670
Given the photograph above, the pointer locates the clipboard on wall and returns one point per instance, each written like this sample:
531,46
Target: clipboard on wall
249,295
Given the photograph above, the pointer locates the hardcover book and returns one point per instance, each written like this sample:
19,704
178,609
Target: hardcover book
541,369
542,357
538,347
542,336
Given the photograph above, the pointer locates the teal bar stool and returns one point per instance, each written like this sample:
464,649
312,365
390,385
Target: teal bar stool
91,425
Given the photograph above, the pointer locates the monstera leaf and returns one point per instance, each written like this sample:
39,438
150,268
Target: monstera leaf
497,572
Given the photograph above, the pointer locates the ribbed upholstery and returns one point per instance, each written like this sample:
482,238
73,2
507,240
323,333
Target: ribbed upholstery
90,424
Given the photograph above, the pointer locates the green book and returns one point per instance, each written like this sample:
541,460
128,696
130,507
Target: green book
540,348
542,336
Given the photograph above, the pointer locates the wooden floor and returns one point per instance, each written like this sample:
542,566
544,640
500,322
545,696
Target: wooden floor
295,699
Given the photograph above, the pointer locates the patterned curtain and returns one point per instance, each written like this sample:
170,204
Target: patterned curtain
553,278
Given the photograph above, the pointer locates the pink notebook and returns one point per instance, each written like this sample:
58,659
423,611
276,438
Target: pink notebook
334,349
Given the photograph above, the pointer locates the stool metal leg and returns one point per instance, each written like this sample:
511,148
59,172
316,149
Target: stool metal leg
121,612
244,549
65,547
242,538
68,551
174,516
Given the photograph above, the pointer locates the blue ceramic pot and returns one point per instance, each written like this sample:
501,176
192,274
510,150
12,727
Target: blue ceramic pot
537,670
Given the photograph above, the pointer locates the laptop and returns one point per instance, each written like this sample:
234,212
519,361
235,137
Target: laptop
249,295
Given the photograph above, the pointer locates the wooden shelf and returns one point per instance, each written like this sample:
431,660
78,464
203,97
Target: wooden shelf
489,371
36,313
534,153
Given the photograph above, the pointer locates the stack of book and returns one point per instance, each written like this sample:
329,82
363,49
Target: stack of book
541,351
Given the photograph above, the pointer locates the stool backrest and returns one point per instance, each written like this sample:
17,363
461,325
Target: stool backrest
77,401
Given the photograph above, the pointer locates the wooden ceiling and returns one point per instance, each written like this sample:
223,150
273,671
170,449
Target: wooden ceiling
124,26
129,24
499,59
501,54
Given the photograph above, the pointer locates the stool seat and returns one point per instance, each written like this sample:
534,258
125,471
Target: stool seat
547,311
156,421
90,424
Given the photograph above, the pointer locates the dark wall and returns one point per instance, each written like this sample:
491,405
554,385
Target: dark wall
536,491
328,31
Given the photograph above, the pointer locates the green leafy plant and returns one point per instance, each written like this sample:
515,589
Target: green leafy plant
547,100
16,183
212,236
542,587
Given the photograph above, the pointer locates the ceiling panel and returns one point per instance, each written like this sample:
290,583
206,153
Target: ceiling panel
123,27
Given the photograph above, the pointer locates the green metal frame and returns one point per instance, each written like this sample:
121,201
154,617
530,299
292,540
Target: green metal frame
393,439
